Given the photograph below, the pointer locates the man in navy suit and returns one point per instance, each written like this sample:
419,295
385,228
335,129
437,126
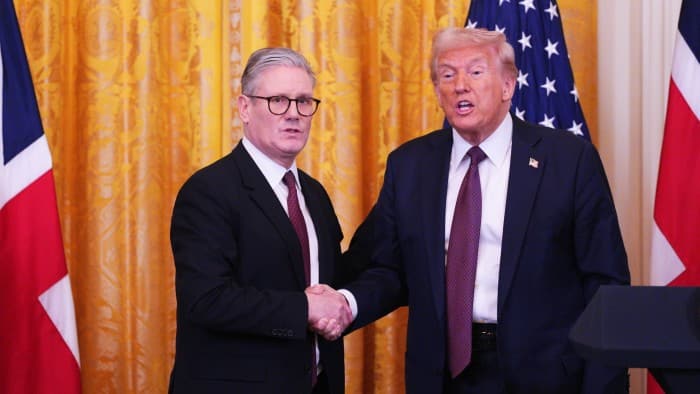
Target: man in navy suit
249,234
546,239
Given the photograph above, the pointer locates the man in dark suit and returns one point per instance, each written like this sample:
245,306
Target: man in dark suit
520,214
249,234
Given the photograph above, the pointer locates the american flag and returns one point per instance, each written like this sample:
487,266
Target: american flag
545,91
675,256
38,338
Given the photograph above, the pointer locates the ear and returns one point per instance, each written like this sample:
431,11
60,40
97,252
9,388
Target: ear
244,108
508,88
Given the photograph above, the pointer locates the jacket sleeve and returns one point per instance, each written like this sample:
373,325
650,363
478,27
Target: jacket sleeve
381,286
600,254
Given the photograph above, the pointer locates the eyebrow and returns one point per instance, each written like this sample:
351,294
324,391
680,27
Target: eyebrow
477,60
291,96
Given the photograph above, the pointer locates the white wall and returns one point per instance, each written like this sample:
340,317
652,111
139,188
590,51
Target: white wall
635,47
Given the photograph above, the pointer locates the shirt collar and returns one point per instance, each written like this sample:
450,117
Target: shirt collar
495,146
272,171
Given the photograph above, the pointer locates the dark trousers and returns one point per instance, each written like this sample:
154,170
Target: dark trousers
482,376
321,386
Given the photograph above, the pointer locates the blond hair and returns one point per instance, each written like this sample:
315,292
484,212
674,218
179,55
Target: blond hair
458,37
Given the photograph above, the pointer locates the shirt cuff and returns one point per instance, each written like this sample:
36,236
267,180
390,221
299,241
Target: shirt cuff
351,301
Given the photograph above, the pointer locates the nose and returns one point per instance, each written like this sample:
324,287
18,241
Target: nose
461,82
293,111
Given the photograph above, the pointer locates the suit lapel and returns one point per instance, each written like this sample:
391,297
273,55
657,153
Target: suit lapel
264,197
314,204
433,184
527,165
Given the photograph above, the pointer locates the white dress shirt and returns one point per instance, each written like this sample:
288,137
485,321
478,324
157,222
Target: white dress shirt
493,174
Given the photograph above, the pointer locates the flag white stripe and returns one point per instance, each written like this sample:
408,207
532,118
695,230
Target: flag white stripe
24,169
666,266
686,74
58,303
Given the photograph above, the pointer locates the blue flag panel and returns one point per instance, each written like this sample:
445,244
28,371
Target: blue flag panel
545,92
20,124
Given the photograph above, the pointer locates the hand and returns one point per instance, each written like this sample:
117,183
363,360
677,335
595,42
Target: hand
329,313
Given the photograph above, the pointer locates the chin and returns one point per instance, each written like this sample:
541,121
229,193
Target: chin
294,149
463,126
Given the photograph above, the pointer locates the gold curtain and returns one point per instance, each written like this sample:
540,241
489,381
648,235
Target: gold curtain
136,95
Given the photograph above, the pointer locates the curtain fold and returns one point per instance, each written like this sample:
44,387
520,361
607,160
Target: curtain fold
137,95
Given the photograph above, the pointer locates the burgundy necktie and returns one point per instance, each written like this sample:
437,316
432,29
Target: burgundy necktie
462,251
297,219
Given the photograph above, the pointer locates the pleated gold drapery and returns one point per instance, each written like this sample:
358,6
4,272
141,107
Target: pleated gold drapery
136,95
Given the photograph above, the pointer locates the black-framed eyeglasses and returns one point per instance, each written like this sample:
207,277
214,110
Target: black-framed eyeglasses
279,105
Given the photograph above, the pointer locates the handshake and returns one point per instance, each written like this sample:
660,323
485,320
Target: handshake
329,312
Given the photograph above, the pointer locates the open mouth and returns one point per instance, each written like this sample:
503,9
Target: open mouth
464,106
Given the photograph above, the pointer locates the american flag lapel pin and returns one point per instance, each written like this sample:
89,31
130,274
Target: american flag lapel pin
533,163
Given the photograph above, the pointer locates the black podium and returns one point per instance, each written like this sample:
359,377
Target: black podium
644,327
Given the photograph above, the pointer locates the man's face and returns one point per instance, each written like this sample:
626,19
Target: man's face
473,91
280,137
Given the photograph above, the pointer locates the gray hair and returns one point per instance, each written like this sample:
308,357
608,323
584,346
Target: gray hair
270,57
459,37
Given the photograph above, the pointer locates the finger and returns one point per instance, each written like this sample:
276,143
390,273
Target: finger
315,290
330,325
328,337
320,325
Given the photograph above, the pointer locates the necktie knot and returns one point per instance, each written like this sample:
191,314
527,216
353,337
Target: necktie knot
476,155
289,180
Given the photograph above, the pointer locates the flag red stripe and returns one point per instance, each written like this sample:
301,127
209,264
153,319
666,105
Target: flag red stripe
34,356
678,190
30,214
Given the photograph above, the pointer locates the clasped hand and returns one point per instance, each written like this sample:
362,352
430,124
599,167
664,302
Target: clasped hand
329,313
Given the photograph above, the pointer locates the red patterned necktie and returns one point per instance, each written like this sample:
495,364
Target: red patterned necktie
462,251
297,219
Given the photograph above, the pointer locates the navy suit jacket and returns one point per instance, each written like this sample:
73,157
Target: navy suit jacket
561,240
242,312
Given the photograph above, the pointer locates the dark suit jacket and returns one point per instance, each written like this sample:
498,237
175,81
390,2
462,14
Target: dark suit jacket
561,240
242,312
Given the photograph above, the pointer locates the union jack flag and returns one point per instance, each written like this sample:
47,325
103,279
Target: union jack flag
545,91
675,256
38,338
